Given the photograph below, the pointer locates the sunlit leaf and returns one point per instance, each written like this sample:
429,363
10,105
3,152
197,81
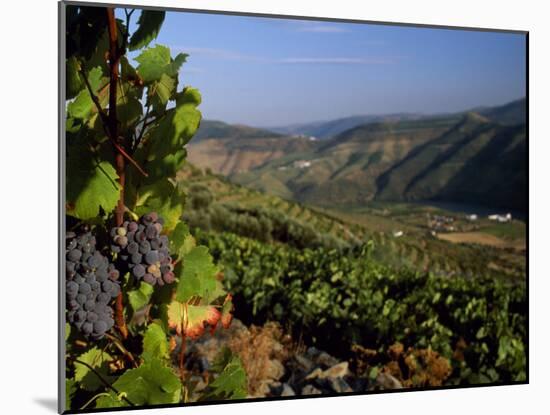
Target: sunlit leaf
149,24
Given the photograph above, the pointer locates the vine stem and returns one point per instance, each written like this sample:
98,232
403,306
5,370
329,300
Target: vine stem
118,144
99,395
118,344
105,123
103,380
182,358
183,344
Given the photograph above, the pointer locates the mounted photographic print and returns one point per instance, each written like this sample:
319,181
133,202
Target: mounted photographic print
262,207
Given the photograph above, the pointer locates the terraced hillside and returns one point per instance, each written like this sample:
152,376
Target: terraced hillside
231,149
344,170
512,113
216,204
428,159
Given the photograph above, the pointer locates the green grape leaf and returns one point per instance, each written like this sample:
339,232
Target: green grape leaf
129,111
198,316
165,199
73,82
127,72
197,276
190,320
149,24
97,359
91,185
177,127
152,383
168,166
140,297
175,314
188,96
83,106
155,344
181,240
221,360
161,91
153,62
70,389
215,294
175,65
231,383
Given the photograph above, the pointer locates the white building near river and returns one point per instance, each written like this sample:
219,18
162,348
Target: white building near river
501,218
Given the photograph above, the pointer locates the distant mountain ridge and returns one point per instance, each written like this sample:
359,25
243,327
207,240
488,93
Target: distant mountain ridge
327,129
472,157
512,113
220,129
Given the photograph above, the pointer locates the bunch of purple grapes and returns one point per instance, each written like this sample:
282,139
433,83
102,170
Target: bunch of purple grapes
91,284
143,251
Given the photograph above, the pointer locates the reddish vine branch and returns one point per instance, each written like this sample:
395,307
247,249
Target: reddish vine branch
105,122
120,347
118,144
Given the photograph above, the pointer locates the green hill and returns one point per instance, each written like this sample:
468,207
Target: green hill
473,158
466,159
220,129
331,128
217,205
512,113
230,149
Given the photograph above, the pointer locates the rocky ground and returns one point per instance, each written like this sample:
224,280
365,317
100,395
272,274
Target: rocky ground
277,367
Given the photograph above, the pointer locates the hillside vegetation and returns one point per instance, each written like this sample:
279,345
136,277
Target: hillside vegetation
430,158
512,113
216,204
406,161
232,149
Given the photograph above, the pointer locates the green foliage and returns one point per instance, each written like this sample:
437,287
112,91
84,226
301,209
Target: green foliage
149,24
150,384
177,127
181,240
83,106
320,291
197,276
140,296
155,118
156,61
70,389
93,187
165,199
85,377
231,382
262,224
155,344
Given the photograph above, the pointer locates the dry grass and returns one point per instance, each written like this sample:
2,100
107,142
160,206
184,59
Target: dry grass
258,348
411,367
417,367
474,238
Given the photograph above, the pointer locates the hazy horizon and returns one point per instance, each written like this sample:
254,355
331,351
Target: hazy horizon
275,72
378,114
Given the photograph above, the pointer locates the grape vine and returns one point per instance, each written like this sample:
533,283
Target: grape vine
135,278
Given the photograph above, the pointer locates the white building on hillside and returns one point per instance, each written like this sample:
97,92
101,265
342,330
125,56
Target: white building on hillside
501,218
302,164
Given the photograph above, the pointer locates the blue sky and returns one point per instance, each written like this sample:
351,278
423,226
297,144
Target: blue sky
270,72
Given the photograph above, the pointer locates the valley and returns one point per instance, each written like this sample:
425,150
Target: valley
410,184
428,159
